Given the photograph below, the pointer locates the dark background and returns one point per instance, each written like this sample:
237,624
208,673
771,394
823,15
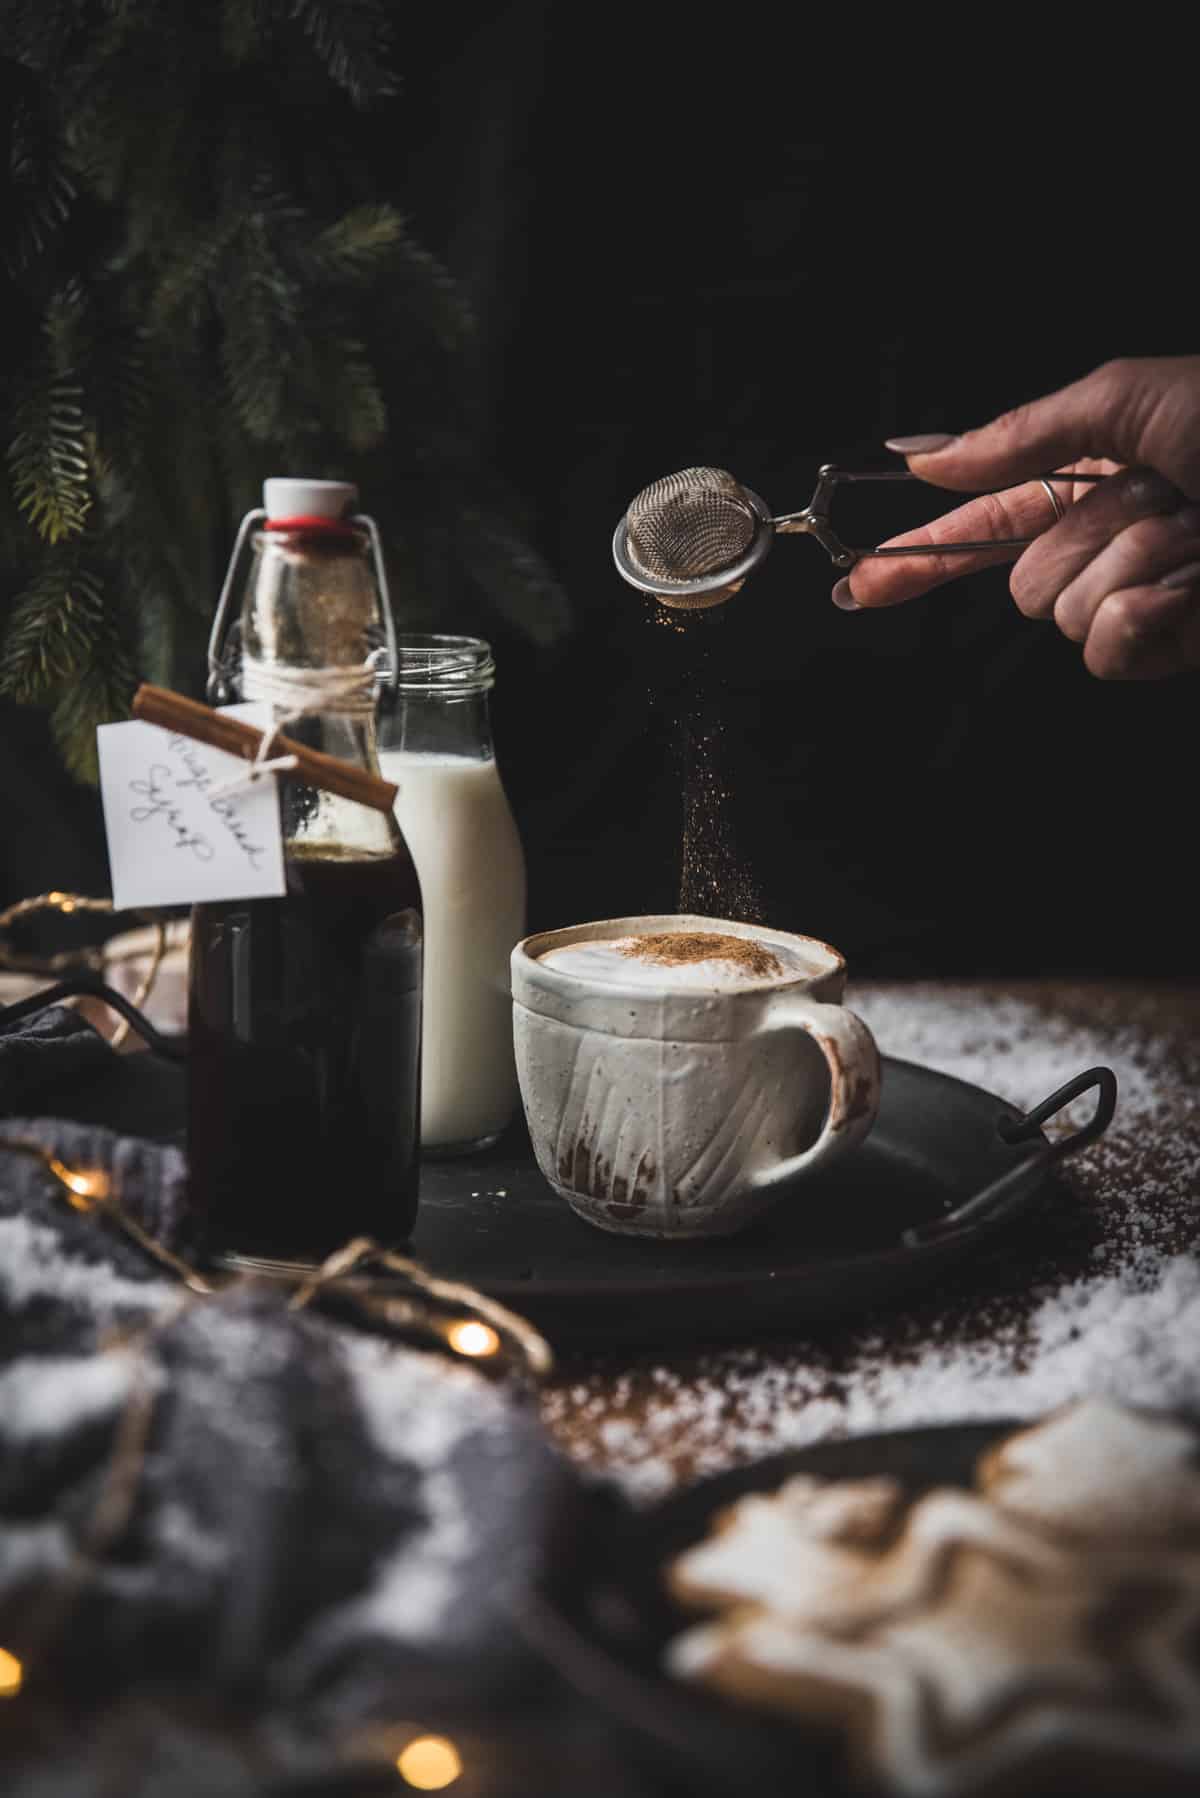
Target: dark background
739,254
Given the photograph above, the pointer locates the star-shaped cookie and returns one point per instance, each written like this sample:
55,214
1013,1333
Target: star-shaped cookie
839,1554
1100,1473
1001,1669
1043,1629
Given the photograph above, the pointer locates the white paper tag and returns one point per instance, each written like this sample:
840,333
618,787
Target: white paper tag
169,841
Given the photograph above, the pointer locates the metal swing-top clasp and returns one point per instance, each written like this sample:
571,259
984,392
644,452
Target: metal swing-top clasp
321,507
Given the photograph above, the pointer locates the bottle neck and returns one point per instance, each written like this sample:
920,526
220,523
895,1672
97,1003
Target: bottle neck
440,703
438,723
311,623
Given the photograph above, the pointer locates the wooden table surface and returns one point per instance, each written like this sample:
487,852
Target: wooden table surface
1098,1290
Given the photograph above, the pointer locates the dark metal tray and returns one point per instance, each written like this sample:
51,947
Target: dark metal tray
945,1167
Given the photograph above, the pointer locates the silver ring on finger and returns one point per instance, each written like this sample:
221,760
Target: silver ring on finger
1054,501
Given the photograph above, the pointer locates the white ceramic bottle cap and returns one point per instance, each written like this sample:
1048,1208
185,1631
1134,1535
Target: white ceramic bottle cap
286,497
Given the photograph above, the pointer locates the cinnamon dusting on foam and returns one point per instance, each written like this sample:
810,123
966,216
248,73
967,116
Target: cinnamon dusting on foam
676,948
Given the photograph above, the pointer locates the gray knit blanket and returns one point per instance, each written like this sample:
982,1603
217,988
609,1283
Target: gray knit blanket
268,1531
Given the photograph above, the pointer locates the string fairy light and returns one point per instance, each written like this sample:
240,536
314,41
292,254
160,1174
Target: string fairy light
90,1190
86,1187
429,1763
470,1337
65,960
12,1674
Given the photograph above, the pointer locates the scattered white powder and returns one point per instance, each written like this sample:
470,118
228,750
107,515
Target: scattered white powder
33,1551
1019,1047
181,1536
413,1593
417,1407
419,1410
33,1266
44,1397
48,1396
1102,1297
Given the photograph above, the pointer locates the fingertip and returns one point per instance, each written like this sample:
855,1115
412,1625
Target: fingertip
842,597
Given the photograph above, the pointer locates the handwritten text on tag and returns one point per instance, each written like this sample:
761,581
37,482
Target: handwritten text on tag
172,838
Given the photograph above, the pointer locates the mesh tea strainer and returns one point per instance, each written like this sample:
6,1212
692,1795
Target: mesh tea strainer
691,538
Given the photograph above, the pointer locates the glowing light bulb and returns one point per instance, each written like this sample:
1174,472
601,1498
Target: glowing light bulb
429,1763
471,1338
84,1183
11,1674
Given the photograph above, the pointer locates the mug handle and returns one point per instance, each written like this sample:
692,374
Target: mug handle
853,1060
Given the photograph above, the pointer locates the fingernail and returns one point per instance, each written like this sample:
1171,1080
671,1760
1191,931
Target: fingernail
923,444
843,598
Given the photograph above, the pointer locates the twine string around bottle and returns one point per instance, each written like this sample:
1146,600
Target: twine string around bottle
294,693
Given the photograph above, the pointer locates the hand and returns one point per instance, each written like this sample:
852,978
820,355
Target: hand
1121,572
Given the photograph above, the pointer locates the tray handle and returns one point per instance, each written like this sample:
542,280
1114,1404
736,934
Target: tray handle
1007,1193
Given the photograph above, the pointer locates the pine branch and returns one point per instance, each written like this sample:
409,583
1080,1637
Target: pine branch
91,339
243,27
428,291
134,128
48,460
258,347
37,31
53,628
181,296
177,168
41,188
353,39
355,244
99,694
175,532
353,407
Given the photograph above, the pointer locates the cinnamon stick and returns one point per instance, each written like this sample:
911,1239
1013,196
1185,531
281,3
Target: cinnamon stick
175,712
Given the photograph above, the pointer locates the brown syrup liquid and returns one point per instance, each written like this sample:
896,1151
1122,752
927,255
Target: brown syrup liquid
304,1028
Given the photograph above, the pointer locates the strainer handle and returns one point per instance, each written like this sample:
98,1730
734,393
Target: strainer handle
815,519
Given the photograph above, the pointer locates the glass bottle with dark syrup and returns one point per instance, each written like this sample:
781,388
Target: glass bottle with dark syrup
304,1016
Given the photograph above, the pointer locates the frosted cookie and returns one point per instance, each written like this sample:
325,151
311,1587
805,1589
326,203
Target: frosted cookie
838,1553
1003,1681
1099,1473
809,1534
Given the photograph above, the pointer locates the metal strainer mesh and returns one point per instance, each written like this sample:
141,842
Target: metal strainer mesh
689,524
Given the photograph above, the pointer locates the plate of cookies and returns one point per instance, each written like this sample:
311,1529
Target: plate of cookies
981,1609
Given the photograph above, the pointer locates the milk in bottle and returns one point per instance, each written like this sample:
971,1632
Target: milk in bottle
456,820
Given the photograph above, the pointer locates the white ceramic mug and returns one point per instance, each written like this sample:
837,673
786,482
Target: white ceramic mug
685,1112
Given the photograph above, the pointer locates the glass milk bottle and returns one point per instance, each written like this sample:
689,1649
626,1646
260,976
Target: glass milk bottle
436,744
304,1010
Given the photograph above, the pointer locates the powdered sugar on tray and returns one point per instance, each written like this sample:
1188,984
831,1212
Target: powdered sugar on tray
1100,1293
